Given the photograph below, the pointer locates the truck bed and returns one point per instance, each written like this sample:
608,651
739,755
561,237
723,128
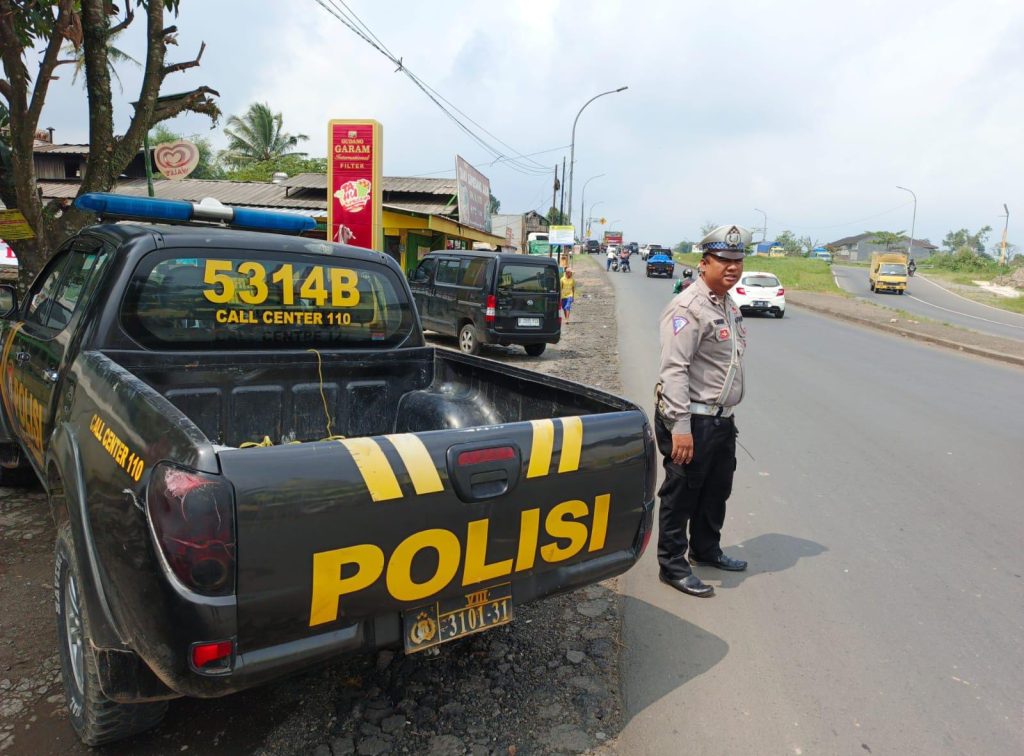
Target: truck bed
236,398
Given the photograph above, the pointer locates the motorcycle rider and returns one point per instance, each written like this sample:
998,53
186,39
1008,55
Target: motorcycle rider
612,257
624,259
911,266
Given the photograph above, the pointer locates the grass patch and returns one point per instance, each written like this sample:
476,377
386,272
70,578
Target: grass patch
796,273
967,278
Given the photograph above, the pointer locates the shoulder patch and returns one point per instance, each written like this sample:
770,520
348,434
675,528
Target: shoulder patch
678,324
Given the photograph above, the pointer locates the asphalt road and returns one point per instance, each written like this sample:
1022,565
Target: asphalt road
930,300
883,611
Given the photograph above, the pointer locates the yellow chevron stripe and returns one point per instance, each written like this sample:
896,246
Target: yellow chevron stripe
540,449
417,461
376,470
572,444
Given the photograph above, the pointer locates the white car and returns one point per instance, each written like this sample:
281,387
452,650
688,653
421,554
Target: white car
759,292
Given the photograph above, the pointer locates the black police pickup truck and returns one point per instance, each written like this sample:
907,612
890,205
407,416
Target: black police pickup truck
255,464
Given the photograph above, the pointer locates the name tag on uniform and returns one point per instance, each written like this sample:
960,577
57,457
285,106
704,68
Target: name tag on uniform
720,322
723,334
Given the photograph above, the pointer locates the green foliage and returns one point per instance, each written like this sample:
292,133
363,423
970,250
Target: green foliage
955,240
258,136
264,170
494,206
788,241
557,218
207,168
115,57
889,239
795,273
965,260
683,247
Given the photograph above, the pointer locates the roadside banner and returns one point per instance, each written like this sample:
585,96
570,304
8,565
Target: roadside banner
176,160
561,234
354,183
474,193
13,226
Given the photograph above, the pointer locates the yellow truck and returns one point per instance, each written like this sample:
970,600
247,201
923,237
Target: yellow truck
888,272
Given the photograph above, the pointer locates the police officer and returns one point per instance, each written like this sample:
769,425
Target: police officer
700,383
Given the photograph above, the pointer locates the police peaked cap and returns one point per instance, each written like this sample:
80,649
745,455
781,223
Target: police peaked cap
727,242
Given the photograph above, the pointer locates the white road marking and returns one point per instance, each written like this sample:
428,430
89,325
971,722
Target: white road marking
957,312
968,299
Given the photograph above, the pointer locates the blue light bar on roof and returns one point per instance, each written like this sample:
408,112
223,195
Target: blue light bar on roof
148,208
153,209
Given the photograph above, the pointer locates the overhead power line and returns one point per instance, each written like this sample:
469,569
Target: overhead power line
339,10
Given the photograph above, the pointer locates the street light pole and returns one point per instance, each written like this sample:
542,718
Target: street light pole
583,199
1006,227
764,228
913,221
572,143
590,215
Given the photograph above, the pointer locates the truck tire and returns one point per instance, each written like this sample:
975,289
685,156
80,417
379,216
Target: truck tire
535,350
95,717
468,342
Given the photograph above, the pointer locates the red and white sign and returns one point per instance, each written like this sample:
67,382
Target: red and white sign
354,183
175,160
7,257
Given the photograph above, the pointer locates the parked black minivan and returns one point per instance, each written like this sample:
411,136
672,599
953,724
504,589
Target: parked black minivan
489,298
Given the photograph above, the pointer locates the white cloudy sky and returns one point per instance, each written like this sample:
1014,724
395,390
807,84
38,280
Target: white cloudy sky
812,111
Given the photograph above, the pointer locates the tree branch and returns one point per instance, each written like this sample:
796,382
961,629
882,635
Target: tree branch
6,90
196,101
65,13
128,18
186,64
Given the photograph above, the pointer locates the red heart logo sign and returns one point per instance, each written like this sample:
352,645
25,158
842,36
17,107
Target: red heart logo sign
175,160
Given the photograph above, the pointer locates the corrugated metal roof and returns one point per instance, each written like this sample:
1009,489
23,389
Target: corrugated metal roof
425,208
60,149
391,184
420,185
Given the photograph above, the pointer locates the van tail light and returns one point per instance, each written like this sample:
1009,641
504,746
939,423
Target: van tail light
740,290
492,308
193,517
781,292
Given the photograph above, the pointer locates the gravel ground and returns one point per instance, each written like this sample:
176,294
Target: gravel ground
547,683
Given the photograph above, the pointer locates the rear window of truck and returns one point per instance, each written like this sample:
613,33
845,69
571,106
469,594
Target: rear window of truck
525,277
249,299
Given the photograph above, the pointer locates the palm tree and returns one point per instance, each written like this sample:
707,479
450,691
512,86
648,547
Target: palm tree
257,137
115,57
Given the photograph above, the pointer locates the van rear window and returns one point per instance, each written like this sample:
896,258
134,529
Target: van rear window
524,277
184,300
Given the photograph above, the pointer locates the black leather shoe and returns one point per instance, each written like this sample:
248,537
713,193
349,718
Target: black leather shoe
691,584
722,562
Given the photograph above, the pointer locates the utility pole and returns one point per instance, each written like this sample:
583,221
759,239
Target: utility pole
561,199
1006,226
913,221
554,187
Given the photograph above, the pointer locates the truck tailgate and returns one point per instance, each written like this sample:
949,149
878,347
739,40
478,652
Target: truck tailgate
333,532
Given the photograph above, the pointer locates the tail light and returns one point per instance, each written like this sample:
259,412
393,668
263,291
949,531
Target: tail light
193,518
492,308
212,657
781,292
741,290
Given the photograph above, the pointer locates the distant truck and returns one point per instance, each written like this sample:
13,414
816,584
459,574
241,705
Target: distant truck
613,238
888,272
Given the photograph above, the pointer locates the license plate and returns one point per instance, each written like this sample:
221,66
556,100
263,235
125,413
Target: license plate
529,322
454,618
760,303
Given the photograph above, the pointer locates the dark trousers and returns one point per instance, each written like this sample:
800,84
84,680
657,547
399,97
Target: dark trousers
695,494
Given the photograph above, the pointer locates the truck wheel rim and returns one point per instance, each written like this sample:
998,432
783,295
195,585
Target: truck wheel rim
73,629
466,340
